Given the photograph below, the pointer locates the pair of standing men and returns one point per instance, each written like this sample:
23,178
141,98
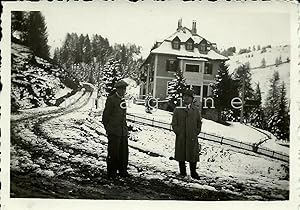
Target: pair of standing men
186,124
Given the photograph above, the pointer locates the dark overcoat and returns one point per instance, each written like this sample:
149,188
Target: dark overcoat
114,116
186,124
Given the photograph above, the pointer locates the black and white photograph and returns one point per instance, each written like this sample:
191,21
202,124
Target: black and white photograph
149,101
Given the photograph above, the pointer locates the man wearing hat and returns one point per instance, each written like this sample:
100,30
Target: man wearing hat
114,121
186,124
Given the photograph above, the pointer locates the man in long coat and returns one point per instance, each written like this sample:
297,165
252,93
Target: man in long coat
114,121
186,124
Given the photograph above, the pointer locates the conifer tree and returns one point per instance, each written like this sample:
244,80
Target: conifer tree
36,34
279,60
111,73
257,117
66,50
243,76
272,103
224,89
81,46
56,56
87,50
283,115
258,47
18,25
276,62
176,88
263,62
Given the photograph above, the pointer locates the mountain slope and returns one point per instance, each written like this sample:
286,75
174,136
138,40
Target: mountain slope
36,82
264,74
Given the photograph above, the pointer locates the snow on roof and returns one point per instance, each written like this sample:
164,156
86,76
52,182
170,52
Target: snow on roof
215,56
191,59
185,34
166,48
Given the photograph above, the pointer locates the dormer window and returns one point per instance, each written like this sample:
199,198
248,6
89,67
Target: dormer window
203,46
176,43
189,45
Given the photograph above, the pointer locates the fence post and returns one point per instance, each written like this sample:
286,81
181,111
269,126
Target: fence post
221,140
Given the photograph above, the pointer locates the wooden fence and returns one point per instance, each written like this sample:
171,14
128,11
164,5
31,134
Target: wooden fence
218,139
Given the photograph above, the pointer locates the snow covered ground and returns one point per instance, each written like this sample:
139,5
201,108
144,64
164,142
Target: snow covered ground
263,75
65,145
275,144
73,145
255,57
62,92
45,110
235,131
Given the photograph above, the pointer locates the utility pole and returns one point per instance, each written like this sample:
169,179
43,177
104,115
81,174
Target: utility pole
147,79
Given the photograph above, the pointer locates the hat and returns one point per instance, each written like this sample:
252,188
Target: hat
120,84
189,93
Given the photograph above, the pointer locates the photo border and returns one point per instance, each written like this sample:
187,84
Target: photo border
74,204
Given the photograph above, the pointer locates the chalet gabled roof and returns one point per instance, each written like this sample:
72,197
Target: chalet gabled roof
166,48
185,34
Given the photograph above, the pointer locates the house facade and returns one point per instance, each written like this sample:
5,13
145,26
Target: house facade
194,55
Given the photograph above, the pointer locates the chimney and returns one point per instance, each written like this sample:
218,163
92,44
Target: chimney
194,29
179,24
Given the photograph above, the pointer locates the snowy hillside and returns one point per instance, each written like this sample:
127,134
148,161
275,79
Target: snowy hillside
263,74
36,82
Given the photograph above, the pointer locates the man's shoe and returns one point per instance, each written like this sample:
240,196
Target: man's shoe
111,176
193,171
182,174
195,176
124,174
182,168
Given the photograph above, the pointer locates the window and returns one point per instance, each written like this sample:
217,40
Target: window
191,68
205,91
175,45
189,46
172,65
208,68
202,47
